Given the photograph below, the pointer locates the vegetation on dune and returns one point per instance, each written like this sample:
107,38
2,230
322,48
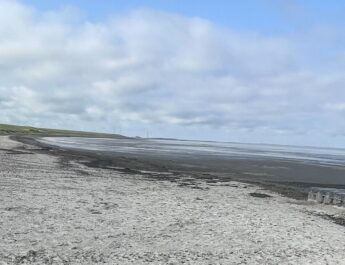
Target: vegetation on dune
13,129
6,129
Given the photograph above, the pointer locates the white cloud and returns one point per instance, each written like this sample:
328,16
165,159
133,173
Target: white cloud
150,67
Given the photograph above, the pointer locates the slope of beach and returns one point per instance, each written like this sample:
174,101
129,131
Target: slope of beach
58,211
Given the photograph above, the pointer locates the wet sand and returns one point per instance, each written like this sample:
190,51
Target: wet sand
64,207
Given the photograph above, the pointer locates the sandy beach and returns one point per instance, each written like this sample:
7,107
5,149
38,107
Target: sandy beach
59,211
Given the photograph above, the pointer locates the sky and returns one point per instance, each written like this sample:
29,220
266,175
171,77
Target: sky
254,71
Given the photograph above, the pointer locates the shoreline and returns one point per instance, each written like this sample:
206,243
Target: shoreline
144,165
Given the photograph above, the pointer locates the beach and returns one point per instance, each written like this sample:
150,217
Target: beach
58,207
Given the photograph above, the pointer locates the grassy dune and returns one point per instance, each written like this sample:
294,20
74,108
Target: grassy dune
6,129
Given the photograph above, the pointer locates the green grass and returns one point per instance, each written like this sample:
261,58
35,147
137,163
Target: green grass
6,129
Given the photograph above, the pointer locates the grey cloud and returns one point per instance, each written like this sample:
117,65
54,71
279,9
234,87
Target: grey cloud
160,68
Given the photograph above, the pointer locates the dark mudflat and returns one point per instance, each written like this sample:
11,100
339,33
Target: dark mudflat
289,178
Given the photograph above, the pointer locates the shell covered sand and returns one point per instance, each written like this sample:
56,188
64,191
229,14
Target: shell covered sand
66,213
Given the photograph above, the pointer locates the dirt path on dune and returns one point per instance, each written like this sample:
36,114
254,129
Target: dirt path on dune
54,211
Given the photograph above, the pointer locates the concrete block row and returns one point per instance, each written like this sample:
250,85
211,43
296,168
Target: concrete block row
327,196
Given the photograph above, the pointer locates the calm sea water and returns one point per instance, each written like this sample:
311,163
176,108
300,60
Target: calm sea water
192,149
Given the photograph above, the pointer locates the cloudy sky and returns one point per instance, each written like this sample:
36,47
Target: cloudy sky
248,71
